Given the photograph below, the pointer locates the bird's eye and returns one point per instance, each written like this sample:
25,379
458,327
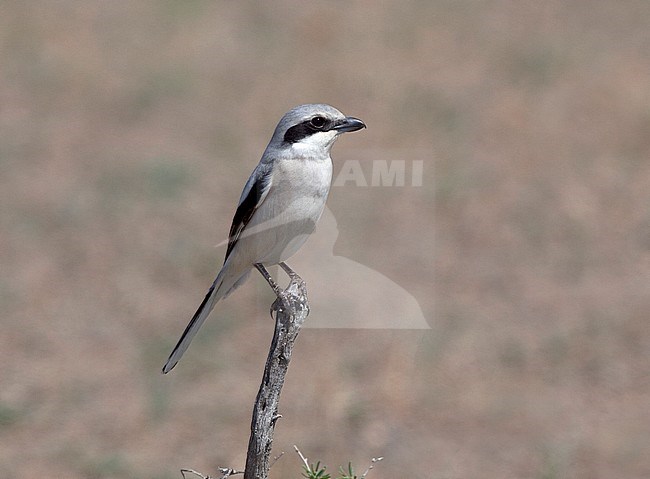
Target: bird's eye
318,122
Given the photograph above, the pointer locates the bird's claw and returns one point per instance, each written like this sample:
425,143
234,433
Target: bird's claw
281,303
296,290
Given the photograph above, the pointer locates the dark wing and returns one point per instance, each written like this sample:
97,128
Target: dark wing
256,189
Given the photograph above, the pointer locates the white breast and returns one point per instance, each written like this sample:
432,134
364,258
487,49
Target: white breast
299,190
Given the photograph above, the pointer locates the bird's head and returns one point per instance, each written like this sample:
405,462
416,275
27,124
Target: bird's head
313,128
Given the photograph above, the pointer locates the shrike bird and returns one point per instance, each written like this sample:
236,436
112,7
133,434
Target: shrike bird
280,205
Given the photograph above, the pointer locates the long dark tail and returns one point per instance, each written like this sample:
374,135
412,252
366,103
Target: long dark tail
214,295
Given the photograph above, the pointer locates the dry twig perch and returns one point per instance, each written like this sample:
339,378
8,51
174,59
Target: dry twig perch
291,310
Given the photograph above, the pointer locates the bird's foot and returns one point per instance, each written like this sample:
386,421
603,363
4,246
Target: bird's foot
297,286
282,303
294,296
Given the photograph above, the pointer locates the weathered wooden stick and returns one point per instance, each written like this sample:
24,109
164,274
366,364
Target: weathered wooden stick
291,310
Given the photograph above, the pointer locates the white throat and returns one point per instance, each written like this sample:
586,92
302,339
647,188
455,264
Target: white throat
316,145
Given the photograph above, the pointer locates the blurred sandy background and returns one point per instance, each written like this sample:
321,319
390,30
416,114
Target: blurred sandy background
127,130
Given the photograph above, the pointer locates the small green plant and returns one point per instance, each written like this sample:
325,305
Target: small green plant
349,474
316,471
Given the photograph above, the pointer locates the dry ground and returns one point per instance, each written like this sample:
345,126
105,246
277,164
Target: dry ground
127,130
